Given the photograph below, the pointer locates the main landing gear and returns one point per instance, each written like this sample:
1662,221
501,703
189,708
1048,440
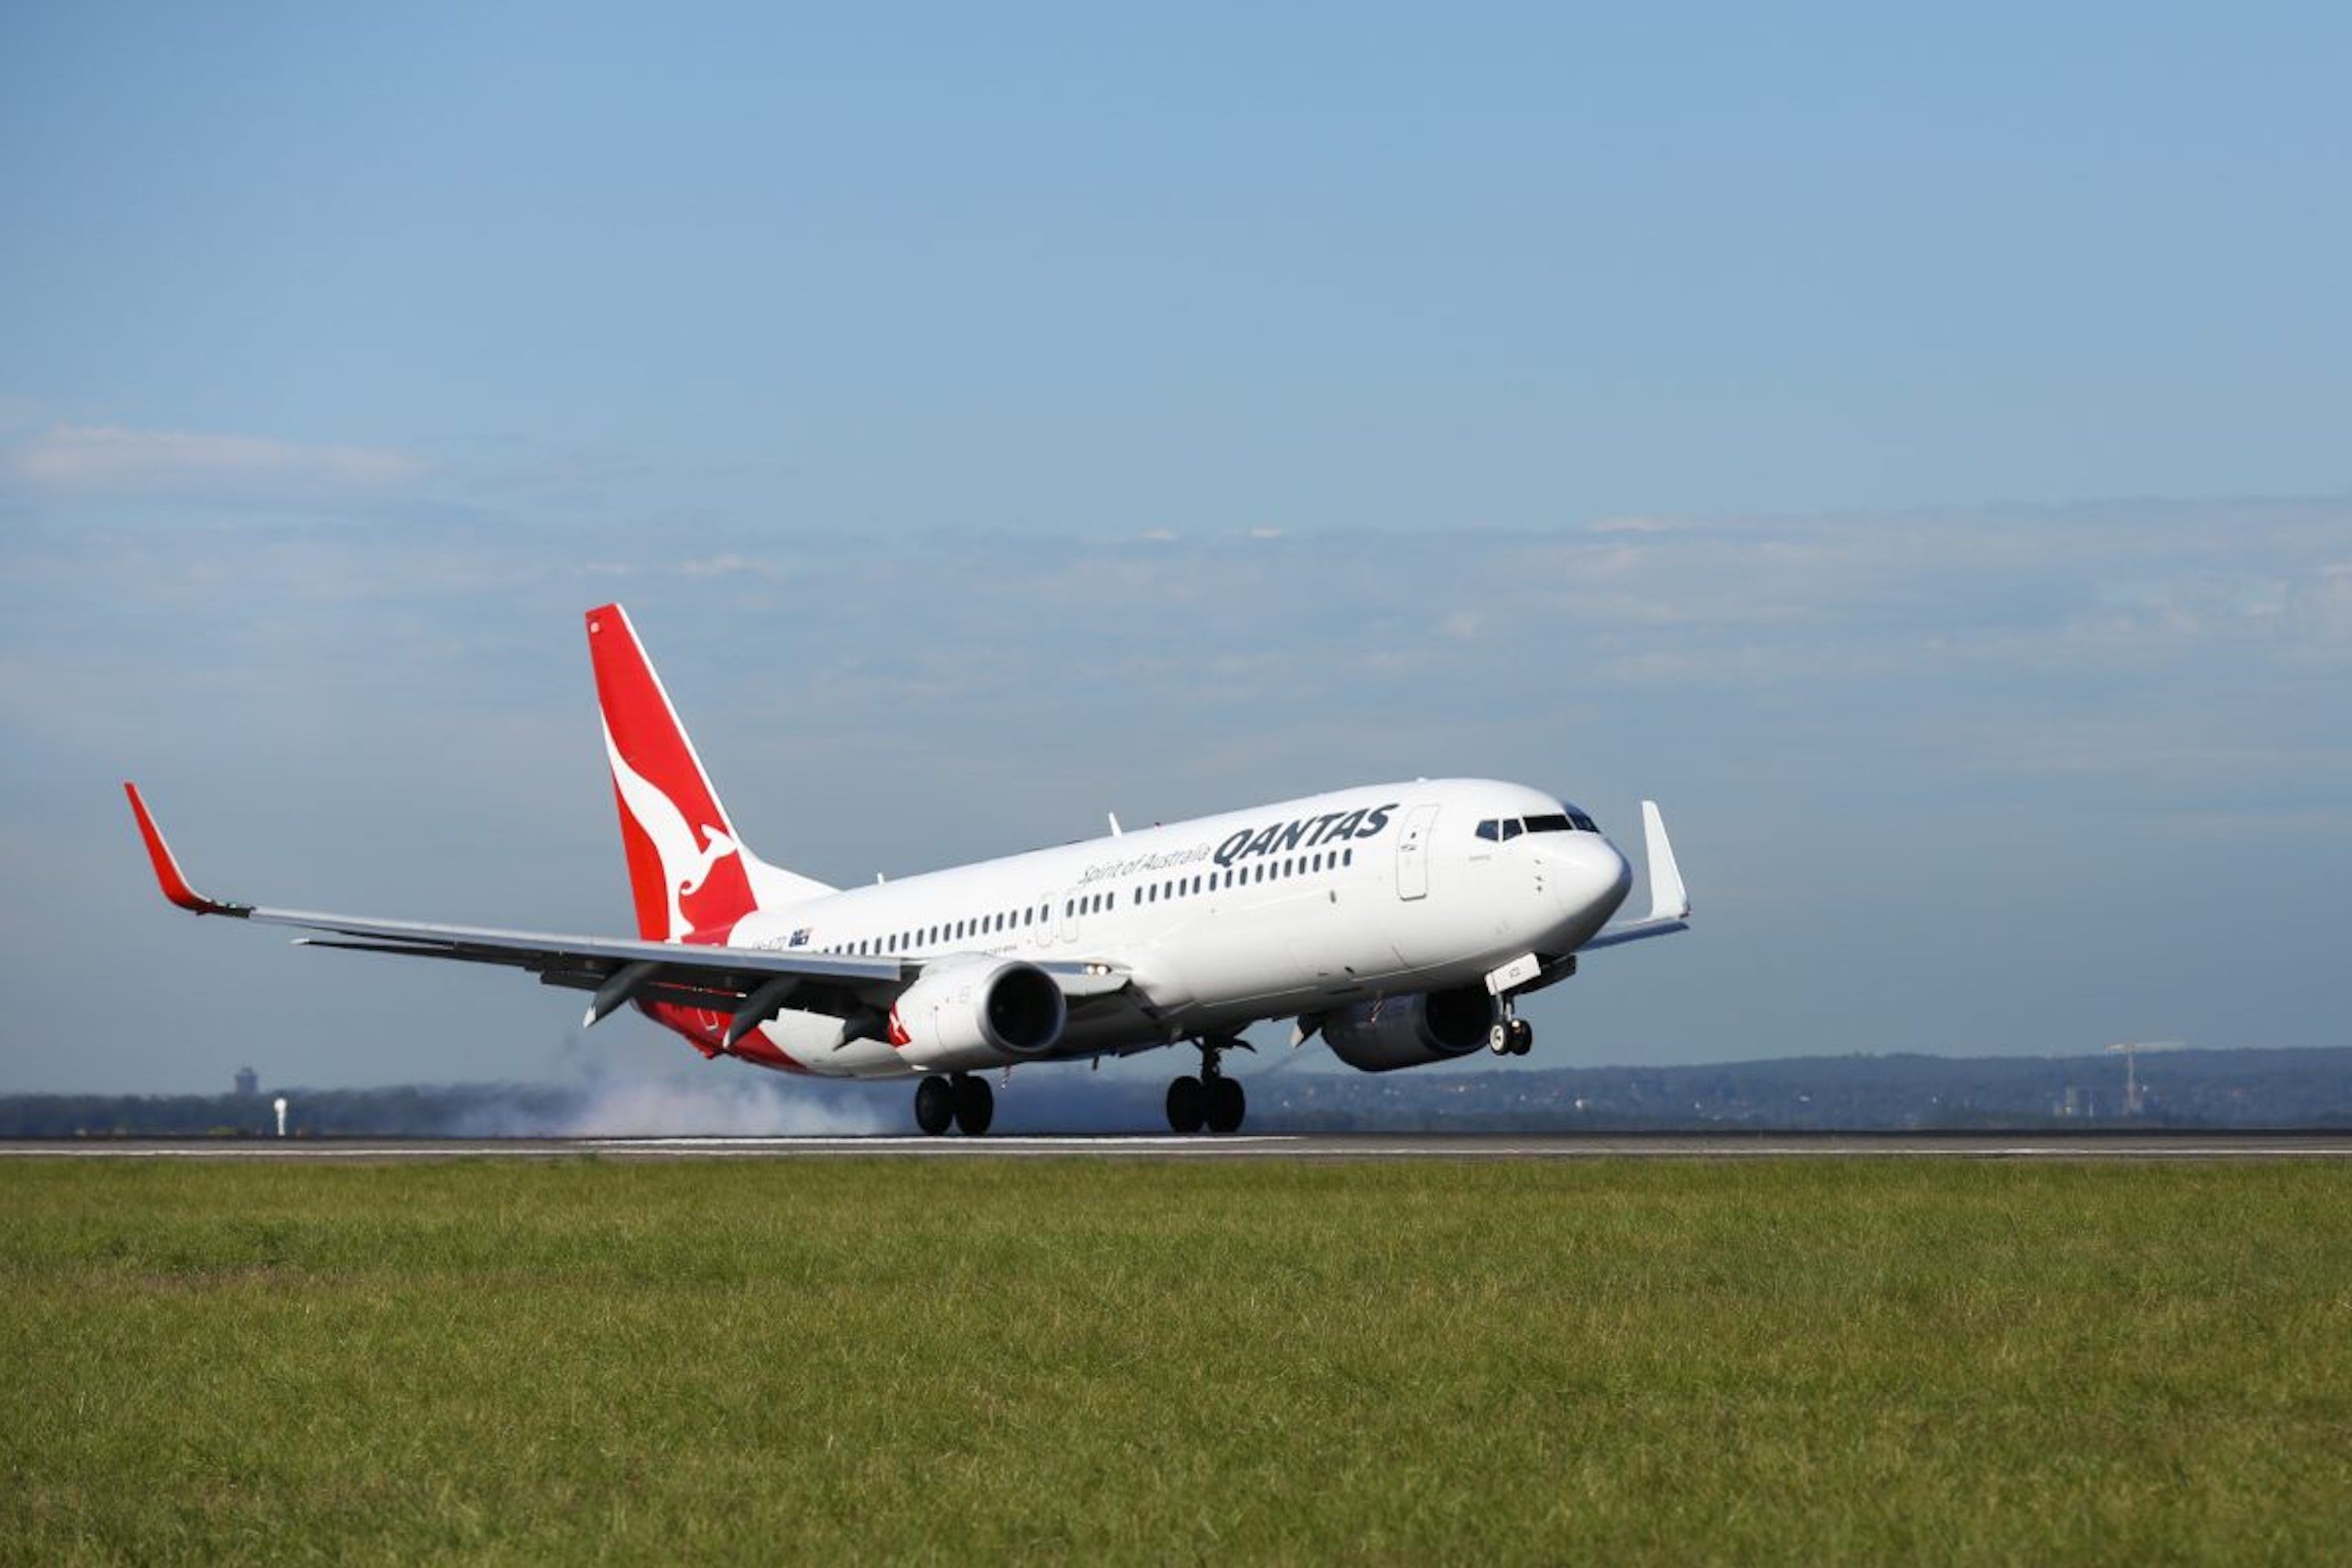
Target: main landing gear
962,1099
1511,1036
1211,1101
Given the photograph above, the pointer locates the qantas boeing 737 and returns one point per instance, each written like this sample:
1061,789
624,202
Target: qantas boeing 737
1401,922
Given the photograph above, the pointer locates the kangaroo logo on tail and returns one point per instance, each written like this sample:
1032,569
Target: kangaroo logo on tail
688,870
685,865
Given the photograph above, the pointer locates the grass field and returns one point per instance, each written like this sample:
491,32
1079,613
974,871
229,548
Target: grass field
820,1361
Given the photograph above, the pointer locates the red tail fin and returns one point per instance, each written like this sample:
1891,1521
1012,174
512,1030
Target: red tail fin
686,868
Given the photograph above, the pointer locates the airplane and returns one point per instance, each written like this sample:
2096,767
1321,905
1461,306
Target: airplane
1401,922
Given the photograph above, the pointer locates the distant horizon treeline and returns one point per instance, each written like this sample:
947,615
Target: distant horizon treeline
2218,1088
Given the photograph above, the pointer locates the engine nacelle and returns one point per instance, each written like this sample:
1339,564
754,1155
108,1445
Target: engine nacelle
978,1012
1410,1031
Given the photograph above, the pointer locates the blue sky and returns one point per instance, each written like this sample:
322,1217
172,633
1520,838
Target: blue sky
1912,447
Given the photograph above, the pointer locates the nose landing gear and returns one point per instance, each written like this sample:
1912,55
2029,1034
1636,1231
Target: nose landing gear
1511,1036
1211,1101
962,1100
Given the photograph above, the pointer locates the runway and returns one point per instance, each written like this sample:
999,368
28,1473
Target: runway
2141,1146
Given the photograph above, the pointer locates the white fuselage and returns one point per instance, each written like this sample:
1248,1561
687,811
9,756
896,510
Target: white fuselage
1294,908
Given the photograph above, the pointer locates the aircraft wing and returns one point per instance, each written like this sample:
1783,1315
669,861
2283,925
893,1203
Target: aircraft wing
1669,900
749,983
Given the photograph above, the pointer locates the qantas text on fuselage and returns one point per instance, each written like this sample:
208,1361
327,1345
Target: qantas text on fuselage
1401,922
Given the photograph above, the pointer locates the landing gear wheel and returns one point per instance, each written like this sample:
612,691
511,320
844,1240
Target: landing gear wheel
935,1105
1523,1037
1498,1038
1226,1104
975,1107
1188,1103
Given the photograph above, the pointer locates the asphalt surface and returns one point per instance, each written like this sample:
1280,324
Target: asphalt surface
2136,1146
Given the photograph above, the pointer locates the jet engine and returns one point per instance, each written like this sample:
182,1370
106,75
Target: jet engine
1409,1031
978,1012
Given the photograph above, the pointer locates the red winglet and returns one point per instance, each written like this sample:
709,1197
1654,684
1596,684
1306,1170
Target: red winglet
167,870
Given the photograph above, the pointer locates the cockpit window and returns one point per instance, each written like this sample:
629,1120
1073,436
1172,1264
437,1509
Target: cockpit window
1503,829
1571,820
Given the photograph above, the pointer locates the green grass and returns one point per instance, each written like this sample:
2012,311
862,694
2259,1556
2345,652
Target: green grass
817,1361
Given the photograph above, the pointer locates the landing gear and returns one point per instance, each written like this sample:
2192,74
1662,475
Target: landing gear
935,1105
1188,1105
1511,1035
1211,1101
1227,1104
962,1101
975,1107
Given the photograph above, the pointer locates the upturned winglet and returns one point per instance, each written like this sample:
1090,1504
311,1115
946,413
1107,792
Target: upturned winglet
167,870
1668,900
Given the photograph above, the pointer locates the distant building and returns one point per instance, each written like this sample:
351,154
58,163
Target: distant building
248,1082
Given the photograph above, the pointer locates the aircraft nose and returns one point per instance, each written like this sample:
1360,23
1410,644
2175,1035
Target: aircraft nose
1590,875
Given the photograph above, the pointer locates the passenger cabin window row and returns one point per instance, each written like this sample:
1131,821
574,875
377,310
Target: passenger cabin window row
1503,829
1242,875
1002,920
1099,904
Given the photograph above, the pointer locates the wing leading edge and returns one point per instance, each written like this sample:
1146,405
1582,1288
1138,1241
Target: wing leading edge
732,980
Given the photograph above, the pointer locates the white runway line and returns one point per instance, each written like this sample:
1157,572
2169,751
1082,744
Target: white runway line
1295,1146
891,1141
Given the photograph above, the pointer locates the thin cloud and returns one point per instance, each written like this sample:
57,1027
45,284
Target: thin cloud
115,462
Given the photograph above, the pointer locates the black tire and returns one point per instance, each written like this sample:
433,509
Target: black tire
1523,1037
1227,1105
975,1107
1188,1102
935,1105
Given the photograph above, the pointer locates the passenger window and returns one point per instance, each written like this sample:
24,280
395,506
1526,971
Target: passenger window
1346,857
